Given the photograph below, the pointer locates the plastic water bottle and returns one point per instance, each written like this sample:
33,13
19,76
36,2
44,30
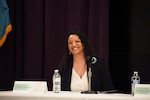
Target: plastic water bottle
56,81
135,79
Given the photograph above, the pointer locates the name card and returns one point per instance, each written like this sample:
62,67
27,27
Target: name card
142,90
30,86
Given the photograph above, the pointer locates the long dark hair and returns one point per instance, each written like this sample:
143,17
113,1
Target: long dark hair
67,57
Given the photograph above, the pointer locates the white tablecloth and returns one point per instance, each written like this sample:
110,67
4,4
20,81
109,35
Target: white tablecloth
64,95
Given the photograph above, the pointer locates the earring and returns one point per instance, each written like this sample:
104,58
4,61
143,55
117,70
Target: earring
69,53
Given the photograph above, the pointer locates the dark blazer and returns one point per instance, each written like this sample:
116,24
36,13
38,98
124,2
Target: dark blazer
100,81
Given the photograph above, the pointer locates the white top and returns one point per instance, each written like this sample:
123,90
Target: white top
77,83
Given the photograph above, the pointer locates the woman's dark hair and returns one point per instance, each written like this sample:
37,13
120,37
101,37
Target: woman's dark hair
88,51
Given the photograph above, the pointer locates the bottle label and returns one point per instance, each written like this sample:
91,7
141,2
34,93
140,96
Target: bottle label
57,79
135,81
57,85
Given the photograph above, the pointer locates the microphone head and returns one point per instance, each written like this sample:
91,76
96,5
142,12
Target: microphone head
88,59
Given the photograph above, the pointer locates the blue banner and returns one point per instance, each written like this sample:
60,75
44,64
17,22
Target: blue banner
5,25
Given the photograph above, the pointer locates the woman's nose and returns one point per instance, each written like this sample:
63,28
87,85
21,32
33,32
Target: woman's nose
74,43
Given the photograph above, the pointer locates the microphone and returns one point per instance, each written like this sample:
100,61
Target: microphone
88,58
90,62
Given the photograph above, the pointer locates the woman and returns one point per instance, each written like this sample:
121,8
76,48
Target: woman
74,66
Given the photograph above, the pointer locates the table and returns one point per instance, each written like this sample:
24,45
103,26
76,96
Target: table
66,95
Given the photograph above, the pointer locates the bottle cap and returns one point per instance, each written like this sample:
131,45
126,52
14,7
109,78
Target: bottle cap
135,72
56,70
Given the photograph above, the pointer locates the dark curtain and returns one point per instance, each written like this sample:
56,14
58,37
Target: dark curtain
34,48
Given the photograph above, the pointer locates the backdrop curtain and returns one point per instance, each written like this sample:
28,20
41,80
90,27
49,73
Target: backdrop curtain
34,47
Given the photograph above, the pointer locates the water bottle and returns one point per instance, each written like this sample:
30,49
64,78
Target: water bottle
135,79
56,81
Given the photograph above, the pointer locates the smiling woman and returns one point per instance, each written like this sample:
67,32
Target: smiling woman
74,66
76,48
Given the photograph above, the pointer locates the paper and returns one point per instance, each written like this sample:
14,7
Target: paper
30,86
142,90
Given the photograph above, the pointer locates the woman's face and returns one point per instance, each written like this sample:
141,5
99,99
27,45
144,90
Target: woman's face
74,44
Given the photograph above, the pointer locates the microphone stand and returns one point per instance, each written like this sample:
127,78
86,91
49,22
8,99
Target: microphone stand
89,77
89,82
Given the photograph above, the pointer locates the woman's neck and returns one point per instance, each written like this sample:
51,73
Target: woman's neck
79,65
79,59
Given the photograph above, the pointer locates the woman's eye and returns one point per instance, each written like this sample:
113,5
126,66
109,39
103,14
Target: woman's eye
69,42
78,41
